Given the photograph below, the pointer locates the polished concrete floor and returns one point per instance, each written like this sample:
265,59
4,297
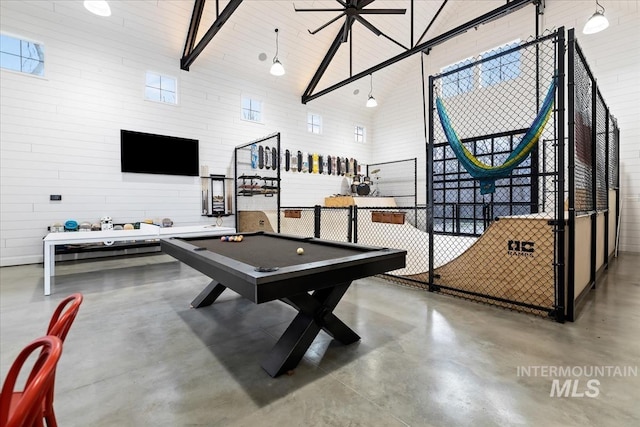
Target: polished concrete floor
137,355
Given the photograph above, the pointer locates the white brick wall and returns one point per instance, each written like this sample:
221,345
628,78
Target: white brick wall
60,134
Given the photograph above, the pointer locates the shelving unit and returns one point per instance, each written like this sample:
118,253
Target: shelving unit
255,192
248,185
270,186
215,202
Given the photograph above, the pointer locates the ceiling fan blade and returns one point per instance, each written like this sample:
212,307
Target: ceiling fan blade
346,27
327,24
369,25
317,10
345,31
382,11
377,32
364,3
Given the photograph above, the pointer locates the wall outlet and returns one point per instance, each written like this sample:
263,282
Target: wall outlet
56,197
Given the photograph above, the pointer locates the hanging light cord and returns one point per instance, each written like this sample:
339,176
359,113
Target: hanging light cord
275,58
371,85
602,7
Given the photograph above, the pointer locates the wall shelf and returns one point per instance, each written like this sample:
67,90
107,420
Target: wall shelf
215,202
256,185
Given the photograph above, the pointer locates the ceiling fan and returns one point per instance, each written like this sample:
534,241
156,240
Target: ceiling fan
353,10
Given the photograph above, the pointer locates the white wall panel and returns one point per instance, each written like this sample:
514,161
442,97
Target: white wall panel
61,133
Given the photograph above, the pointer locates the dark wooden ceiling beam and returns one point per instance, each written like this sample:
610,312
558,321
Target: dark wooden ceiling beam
344,30
194,24
506,9
191,52
432,21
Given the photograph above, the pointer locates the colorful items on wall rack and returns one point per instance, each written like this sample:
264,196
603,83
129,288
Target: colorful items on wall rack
265,157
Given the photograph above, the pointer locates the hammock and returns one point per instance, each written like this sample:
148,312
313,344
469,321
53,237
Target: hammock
488,174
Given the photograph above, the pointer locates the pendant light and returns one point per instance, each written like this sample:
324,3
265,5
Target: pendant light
597,22
371,101
98,7
277,69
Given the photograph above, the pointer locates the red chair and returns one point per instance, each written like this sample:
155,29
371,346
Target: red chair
24,408
61,323
59,326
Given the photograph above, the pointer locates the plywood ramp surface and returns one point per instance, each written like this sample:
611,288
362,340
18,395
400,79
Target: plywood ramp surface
251,221
513,259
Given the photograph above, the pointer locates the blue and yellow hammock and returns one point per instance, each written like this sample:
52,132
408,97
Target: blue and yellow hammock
486,174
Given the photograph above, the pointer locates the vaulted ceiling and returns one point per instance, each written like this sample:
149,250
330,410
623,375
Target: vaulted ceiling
321,50
327,44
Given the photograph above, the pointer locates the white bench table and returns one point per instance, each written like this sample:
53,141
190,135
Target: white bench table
146,232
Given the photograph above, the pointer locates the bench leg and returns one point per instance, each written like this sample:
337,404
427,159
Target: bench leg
49,266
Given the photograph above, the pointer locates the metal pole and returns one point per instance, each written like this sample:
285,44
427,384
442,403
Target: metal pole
429,194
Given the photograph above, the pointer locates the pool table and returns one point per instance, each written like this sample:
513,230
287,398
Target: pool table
266,266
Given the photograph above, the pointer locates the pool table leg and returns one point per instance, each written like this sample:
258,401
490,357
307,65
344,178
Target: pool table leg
314,314
208,295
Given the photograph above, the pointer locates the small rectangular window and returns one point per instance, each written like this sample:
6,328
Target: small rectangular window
360,134
21,55
458,82
160,88
504,64
314,123
251,110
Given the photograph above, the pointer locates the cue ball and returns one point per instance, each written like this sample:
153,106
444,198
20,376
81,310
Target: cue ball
300,251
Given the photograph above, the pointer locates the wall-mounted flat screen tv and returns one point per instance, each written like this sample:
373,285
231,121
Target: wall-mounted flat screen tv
158,154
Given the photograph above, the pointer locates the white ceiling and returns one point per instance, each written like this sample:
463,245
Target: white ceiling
249,32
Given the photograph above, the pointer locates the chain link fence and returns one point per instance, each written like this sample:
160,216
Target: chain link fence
582,144
506,247
326,223
398,228
491,101
397,179
601,155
